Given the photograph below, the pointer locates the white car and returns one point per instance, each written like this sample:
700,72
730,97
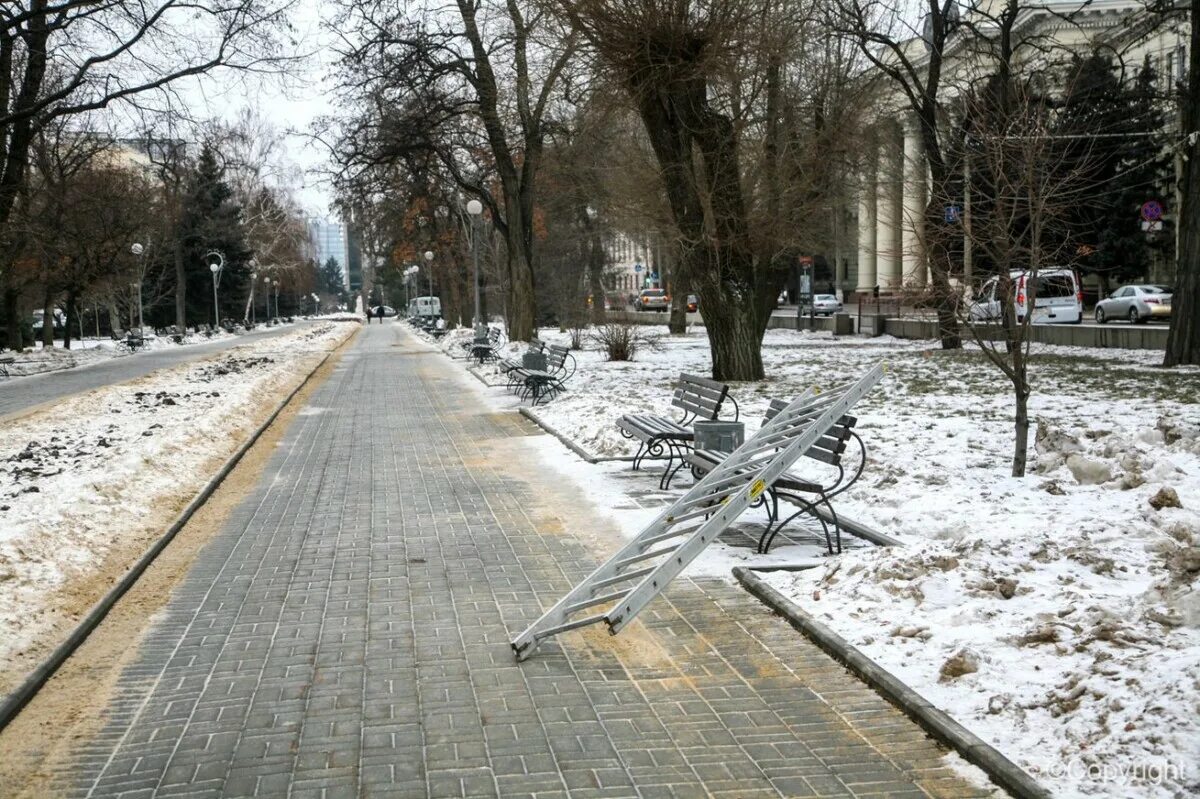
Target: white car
823,305
1057,298
1136,303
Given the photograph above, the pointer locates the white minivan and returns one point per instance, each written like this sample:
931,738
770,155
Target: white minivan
1057,298
425,306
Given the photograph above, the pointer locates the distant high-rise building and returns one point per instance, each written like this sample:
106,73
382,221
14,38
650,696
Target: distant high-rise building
330,240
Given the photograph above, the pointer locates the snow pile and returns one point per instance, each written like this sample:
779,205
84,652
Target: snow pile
1056,615
88,475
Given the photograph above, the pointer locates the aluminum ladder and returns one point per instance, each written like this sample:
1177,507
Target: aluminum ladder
641,569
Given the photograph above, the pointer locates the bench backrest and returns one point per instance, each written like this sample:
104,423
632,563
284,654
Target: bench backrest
536,345
556,358
698,397
829,447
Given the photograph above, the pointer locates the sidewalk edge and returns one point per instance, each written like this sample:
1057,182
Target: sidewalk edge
937,723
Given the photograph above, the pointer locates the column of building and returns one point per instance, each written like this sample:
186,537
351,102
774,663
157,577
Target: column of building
866,224
888,209
914,263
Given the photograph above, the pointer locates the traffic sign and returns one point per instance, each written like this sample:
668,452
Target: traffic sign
953,213
637,268
1154,226
1152,211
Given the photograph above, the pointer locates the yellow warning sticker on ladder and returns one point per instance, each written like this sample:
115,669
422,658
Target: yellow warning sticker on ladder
756,489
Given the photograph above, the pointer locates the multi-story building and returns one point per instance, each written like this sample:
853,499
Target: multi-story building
888,217
331,241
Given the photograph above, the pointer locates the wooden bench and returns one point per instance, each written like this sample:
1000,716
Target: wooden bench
805,494
5,362
485,351
538,385
508,366
698,398
134,340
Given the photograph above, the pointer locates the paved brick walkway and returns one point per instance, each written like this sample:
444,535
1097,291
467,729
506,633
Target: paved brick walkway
347,635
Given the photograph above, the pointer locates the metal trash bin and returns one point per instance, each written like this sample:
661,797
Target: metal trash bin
481,334
719,435
535,360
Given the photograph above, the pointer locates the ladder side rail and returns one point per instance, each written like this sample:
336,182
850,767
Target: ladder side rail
653,583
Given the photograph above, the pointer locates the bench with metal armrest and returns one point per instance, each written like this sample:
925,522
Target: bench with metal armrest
698,399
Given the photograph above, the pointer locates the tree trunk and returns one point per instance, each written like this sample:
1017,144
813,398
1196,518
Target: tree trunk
12,312
71,315
734,340
679,294
180,287
522,310
1021,431
1183,341
48,319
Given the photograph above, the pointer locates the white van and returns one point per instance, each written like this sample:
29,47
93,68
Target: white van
425,306
1057,298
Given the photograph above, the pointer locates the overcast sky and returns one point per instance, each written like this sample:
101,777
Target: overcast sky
291,104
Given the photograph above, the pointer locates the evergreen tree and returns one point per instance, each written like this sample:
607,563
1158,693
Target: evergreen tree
331,277
211,220
1120,166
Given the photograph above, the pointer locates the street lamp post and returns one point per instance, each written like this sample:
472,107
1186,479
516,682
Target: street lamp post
475,209
429,261
137,249
216,268
253,307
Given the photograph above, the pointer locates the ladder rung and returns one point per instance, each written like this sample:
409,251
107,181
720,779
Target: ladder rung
644,556
654,539
571,625
694,514
596,600
709,496
620,578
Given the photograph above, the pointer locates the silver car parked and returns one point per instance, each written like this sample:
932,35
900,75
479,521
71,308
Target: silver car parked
1136,303
823,305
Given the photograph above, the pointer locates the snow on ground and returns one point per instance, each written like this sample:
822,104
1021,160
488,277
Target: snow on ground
122,461
39,358
1057,615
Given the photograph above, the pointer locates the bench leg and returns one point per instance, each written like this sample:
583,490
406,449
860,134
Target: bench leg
806,507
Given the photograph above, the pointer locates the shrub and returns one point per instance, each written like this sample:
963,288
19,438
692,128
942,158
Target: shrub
622,342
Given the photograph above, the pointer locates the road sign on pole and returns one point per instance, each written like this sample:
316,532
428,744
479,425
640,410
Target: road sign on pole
1152,211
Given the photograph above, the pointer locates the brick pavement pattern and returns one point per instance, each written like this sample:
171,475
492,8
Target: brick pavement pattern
347,635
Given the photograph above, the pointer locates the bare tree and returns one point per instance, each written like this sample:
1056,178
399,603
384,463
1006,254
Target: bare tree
63,58
460,82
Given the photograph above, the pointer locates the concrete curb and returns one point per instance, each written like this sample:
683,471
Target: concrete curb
23,693
1003,771
571,445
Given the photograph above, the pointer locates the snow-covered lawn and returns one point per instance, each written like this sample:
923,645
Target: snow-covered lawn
1057,616
81,479
38,359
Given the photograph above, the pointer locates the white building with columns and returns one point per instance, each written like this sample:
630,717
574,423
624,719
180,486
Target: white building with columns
893,177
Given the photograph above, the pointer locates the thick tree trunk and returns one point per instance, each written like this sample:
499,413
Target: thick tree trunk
734,339
522,310
1183,341
679,294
